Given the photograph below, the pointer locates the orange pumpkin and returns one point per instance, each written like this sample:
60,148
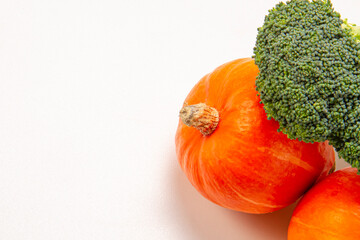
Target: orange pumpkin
233,155
330,210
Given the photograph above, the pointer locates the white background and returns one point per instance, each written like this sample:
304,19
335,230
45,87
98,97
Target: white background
89,97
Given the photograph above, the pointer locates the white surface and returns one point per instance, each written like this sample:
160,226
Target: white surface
89,99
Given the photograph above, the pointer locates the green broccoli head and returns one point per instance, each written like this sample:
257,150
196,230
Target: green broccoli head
309,80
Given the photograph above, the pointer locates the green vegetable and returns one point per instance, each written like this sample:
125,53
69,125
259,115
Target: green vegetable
309,80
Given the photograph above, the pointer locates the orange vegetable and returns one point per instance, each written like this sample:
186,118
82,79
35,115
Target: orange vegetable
231,152
330,210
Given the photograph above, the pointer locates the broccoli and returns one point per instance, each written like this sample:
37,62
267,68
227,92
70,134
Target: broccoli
309,79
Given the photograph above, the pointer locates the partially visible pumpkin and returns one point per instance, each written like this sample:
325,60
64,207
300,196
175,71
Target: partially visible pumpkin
233,155
330,210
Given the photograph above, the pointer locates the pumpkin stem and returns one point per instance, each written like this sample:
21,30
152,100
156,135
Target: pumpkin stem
200,116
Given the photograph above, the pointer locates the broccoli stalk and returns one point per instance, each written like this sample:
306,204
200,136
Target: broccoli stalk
354,30
309,79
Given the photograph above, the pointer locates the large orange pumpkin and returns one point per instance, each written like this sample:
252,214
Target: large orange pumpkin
233,155
330,210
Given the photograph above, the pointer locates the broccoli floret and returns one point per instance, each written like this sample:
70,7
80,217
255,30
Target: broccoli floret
309,80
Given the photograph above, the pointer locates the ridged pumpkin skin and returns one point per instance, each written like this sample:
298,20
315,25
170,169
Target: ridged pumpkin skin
330,210
245,164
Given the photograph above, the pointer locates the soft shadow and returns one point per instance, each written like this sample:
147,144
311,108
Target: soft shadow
274,225
340,163
203,219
